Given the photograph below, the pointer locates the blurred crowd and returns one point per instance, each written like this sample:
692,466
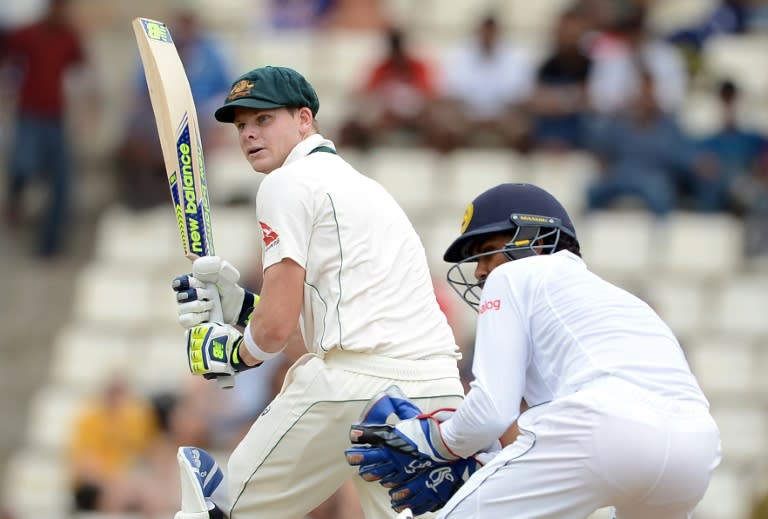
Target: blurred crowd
606,85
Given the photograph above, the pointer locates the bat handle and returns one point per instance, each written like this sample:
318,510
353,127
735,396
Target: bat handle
217,316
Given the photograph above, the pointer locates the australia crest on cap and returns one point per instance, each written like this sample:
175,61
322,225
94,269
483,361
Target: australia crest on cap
240,89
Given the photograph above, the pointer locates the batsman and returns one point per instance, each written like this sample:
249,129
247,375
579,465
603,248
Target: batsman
343,269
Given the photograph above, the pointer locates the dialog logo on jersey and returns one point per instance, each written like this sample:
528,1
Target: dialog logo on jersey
269,236
493,304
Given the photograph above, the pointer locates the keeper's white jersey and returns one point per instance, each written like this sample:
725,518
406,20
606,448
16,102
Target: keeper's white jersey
367,286
546,327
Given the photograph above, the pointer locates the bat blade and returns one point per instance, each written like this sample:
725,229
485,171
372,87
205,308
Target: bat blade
179,132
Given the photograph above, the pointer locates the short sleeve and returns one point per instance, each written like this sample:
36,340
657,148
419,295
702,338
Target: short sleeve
284,207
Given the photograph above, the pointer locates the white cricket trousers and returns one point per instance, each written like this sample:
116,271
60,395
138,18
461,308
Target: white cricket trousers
609,444
292,459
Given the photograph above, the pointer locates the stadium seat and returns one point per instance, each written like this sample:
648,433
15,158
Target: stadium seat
465,173
36,484
113,296
52,414
743,429
617,244
236,235
409,174
79,347
294,49
436,234
357,159
670,15
741,58
531,19
164,365
700,245
356,50
701,113
230,178
567,176
740,309
142,239
728,495
452,24
724,366
680,302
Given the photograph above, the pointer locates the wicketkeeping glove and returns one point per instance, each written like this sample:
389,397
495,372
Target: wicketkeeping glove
195,293
418,437
213,349
430,489
377,463
416,481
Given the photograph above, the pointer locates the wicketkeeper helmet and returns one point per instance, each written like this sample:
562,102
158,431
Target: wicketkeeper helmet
532,217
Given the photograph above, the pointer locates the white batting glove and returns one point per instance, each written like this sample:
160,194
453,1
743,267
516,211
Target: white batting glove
195,293
213,349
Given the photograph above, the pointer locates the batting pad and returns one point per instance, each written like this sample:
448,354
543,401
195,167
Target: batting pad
202,482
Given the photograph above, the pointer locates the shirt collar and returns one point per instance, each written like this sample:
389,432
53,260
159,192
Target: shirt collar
303,148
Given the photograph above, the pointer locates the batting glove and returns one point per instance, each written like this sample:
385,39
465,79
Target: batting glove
195,293
213,349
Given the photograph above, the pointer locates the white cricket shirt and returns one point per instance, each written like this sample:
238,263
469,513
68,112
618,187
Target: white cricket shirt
367,287
546,327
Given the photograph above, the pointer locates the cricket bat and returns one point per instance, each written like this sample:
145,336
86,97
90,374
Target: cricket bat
177,126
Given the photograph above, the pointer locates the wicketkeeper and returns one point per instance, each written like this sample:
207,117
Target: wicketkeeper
616,417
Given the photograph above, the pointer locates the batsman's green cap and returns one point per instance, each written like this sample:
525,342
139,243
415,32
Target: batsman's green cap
267,88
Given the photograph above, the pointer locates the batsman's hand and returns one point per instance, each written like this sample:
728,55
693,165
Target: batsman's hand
213,349
195,293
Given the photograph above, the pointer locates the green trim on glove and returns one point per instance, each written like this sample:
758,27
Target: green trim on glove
250,300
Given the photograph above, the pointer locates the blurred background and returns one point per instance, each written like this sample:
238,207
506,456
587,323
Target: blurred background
646,118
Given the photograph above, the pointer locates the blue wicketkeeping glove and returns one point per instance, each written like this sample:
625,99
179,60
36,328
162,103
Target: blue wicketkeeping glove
416,480
378,463
430,489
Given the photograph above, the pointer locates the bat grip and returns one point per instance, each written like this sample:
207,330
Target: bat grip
217,316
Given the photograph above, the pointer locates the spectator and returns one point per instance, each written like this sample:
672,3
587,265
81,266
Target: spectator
644,154
110,436
559,101
298,14
355,15
732,150
752,192
184,418
484,82
42,53
622,53
725,17
138,159
394,100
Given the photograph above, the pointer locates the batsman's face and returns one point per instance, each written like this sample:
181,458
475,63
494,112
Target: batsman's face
491,253
266,137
